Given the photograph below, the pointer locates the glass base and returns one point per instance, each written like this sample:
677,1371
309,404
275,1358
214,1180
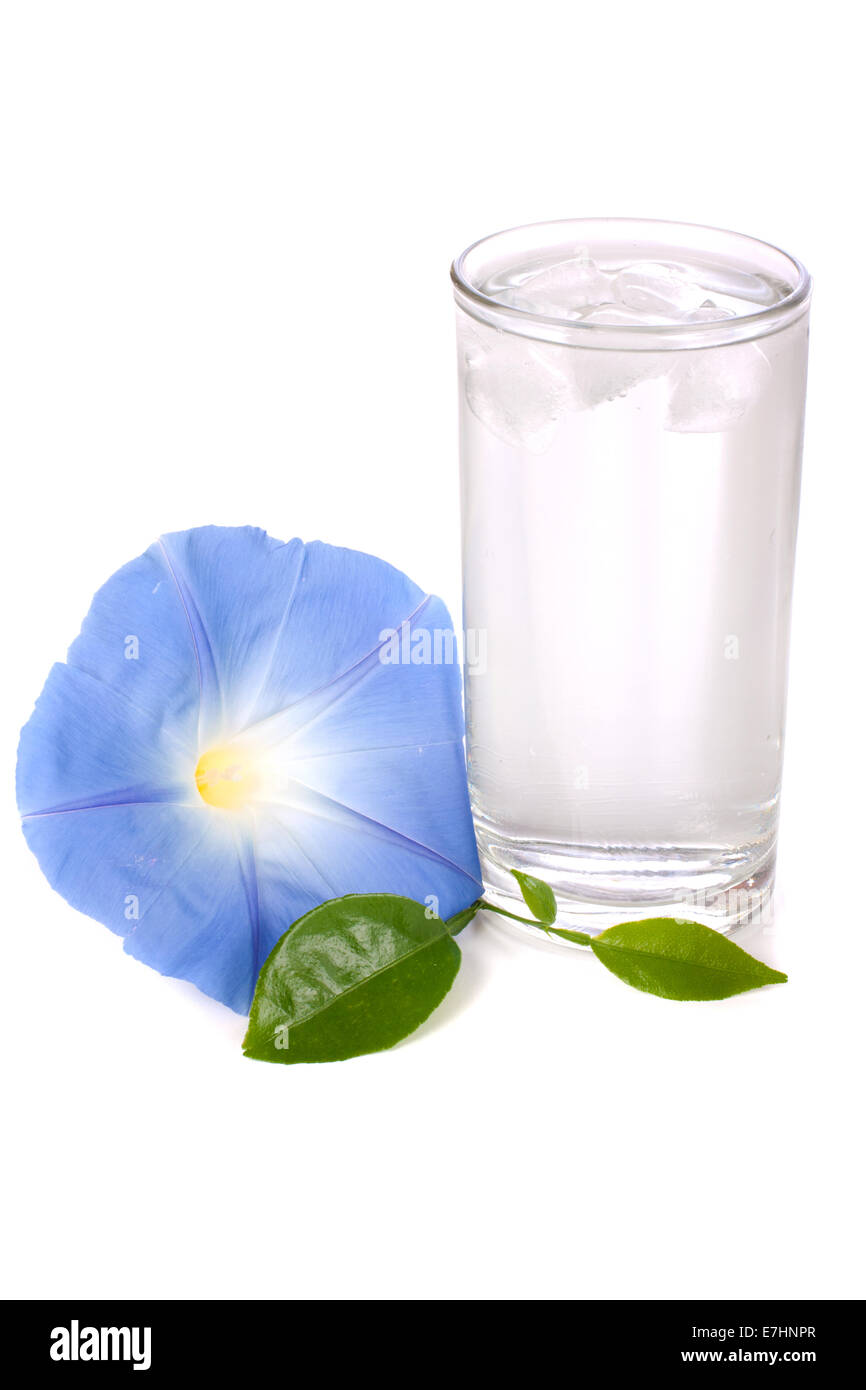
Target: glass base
598,886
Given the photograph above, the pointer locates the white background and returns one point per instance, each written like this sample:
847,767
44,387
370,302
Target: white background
227,231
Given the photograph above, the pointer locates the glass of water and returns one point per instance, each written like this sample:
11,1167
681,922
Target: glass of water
631,416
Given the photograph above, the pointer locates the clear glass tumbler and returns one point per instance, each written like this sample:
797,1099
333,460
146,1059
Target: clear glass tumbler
631,416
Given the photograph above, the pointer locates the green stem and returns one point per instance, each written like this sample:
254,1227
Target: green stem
579,937
485,906
462,919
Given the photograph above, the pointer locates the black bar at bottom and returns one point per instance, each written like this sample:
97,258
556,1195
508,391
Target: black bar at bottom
253,1339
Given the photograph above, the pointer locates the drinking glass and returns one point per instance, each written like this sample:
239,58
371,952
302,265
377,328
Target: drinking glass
631,417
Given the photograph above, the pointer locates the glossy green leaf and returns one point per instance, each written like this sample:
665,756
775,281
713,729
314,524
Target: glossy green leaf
354,975
538,897
680,960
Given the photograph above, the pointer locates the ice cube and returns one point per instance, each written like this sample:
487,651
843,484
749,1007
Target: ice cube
605,375
708,313
564,289
516,389
597,377
615,314
657,288
713,388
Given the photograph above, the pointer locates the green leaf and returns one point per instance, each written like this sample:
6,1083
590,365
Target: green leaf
680,960
538,897
354,975
462,919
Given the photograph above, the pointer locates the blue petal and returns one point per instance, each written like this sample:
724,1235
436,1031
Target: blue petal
136,640
274,622
334,850
87,743
384,739
167,878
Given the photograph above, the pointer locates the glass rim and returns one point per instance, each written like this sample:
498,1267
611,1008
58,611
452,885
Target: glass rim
527,323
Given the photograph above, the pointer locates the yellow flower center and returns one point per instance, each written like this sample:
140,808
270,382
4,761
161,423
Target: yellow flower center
226,777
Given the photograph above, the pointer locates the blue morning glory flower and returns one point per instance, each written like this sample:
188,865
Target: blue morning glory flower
242,730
